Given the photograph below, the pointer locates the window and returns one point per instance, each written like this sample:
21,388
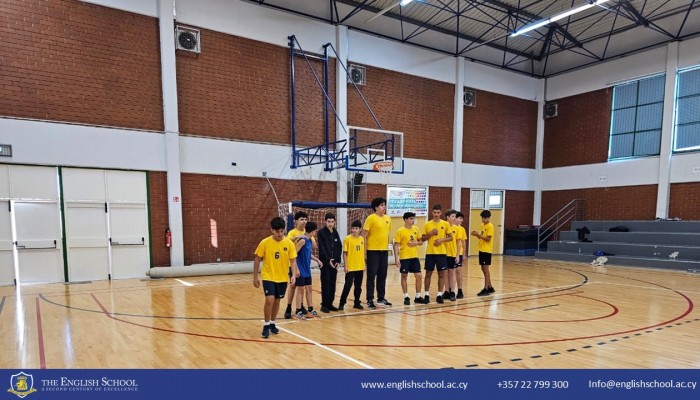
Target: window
637,113
687,135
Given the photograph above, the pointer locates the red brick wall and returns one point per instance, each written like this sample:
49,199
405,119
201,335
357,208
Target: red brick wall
519,208
615,203
236,212
500,130
239,88
581,133
421,108
67,60
158,213
440,195
684,201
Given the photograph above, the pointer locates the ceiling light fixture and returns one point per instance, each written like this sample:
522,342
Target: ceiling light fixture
557,17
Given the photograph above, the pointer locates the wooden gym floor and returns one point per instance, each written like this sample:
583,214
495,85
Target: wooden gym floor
545,314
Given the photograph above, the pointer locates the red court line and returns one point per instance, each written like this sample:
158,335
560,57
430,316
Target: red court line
42,355
108,314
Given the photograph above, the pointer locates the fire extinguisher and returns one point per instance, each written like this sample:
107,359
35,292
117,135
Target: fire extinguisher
168,238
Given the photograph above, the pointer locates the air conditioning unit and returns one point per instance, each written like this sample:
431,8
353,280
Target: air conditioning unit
357,74
187,39
551,110
469,98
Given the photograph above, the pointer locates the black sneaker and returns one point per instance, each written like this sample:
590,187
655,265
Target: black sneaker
304,310
453,296
358,306
484,292
325,310
406,301
439,299
460,294
384,302
371,306
341,307
333,308
419,300
288,313
274,329
426,299
492,290
266,331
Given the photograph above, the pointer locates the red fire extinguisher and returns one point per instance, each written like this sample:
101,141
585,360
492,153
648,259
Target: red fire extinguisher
168,238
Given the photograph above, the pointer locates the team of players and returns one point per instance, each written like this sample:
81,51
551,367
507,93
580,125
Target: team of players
288,259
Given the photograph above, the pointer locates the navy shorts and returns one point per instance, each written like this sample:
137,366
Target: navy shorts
451,263
484,258
410,265
301,281
435,260
277,289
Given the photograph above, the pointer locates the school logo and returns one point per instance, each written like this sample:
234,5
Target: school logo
22,385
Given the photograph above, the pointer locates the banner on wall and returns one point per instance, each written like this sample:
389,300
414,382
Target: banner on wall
401,199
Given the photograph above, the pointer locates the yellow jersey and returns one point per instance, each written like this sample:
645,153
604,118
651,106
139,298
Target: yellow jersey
276,257
403,236
443,227
484,246
377,232
354,249
462,236
296,232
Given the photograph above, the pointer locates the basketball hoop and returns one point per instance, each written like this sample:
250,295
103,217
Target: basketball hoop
385,168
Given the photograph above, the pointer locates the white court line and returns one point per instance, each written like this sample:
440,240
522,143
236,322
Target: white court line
345,356
185,282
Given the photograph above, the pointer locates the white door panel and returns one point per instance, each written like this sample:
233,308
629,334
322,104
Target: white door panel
7,262
84,185
5,182
34,183
87,241
126,186
38,242
129,238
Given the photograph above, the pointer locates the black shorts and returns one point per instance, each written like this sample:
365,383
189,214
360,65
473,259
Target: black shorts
451,263
277,289
301,281
484,258
410,265
433,260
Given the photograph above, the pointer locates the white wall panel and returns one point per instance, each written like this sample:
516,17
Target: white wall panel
145,7
4,181
500,81
51,143
489,176
683,167
641,171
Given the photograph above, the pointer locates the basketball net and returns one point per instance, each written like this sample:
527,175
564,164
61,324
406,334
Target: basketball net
385,168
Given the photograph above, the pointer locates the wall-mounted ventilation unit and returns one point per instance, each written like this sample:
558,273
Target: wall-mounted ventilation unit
551,110
357,74
187,39
469,98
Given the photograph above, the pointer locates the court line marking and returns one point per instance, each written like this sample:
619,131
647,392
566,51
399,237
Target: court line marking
2,303
643,287
345,356
40,336
185,282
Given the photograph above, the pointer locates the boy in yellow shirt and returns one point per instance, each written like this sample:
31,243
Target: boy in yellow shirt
436,234
485,248
277,254
354,256
406,254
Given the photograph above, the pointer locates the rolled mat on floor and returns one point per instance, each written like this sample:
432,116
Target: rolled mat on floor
201,270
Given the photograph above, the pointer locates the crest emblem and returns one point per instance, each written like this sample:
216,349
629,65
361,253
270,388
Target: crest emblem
21,385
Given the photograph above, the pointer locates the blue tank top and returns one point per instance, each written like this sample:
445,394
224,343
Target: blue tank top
304,259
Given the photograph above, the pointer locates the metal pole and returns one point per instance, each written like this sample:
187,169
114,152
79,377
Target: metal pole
294,129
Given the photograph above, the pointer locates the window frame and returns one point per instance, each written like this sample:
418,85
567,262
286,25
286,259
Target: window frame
676,118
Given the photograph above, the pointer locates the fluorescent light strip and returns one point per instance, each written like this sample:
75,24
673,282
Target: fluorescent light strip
556,17
404,2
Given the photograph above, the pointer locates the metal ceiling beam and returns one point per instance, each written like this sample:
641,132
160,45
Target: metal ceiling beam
690,7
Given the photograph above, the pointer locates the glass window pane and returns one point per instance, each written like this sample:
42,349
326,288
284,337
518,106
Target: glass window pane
623,120
687,136
649,117
647,143
689,83
496,199
625,95
478,199
688,110
621,145
651,90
